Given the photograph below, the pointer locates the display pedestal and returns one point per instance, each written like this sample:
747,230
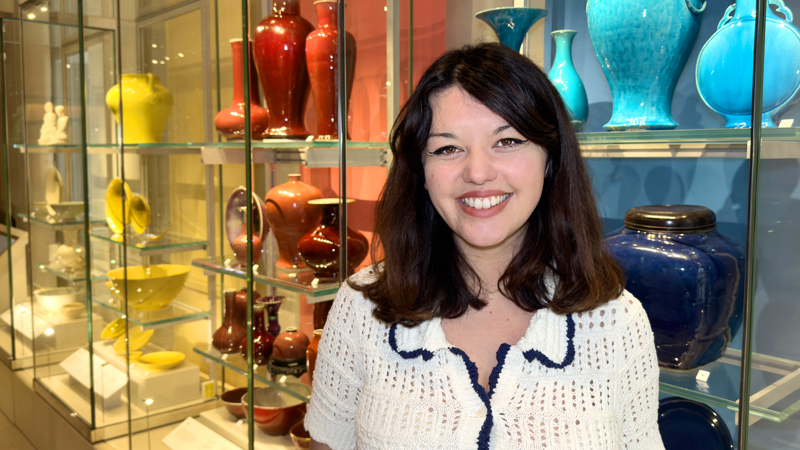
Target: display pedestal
164,387
52,331
226,425
108,380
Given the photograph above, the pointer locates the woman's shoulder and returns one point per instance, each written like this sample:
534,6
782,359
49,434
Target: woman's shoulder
616,314
350,305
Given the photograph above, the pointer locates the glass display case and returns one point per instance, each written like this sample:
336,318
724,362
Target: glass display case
174,261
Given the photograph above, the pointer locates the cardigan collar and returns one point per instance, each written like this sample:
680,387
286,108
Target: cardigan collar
548,338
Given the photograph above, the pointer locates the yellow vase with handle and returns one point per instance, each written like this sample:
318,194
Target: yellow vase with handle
146,105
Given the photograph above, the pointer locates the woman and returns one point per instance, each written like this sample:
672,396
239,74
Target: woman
496,318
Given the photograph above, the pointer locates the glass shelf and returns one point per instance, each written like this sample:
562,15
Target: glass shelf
51,222
775,385
174,314
96,276
317,292
170,243
237,363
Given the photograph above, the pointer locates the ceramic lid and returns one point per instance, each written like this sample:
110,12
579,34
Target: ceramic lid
671,219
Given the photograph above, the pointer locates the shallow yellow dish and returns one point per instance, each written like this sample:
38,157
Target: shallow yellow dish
160,360
114,329
150,288
138,339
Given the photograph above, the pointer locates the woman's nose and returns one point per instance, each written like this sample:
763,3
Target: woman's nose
478,167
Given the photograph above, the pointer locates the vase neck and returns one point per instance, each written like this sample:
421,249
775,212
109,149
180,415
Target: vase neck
563,40
258,317
745,8
230,302
330,215
238,74
280,7
326,13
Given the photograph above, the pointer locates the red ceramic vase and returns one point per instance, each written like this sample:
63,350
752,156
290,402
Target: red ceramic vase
290,218
228,337
280,54
311,354
240,306
322,57
230,122
239,245
289,353
262,340
319,249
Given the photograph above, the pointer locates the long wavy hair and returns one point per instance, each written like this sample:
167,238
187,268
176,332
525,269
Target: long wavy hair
423,273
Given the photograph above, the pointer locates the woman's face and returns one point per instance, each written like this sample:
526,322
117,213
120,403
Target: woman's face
484,178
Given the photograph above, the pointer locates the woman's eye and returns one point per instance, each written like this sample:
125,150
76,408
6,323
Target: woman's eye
448,150
509,142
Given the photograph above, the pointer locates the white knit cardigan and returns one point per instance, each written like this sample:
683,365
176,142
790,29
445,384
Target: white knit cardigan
581,381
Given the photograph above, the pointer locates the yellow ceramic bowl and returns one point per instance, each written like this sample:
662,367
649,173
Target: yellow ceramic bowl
160,360
150,288
138,339
114,329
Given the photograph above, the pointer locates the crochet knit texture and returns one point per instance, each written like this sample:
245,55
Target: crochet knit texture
583,381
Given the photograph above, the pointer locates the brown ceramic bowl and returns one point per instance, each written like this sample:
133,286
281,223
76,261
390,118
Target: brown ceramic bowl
300,436
233,402
276,411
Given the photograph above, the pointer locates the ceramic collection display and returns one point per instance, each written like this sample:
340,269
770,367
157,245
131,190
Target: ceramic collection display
322,58
289,353
511,24
319,248
689,425
230,122
689,278
146,104
280,54
262,340
566,79
228,338
311,353
290,218
724,72
642,47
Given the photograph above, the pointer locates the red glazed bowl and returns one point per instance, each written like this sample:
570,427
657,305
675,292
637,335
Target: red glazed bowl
300,436
275,411
233,402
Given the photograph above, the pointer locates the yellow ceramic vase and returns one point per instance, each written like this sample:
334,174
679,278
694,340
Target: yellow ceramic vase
146,106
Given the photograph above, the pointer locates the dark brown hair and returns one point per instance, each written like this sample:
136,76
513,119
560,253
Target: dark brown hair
424,274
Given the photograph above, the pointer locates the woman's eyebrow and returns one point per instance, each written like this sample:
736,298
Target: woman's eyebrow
444,135
501,129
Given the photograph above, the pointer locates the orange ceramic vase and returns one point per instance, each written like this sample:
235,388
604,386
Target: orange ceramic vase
311,354
290,217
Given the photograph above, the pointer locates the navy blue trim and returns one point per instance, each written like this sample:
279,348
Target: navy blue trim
532,354
426,354
472,369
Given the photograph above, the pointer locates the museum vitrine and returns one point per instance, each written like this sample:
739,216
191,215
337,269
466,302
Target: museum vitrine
187,190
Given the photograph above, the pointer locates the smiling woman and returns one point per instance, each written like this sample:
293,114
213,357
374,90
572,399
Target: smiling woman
496,318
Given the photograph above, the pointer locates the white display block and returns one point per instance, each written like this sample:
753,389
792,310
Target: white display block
163,388
53,331
108,380
226,425
192,435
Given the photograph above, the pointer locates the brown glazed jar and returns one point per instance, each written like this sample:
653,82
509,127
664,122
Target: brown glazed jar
290,218
289,353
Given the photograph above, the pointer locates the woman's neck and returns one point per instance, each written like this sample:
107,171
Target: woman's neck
489,263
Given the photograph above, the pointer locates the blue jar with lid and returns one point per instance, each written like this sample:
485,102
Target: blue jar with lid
688,277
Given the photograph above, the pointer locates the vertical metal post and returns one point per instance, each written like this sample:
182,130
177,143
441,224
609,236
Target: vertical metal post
341,98
6,148
392,63
752,222
410,47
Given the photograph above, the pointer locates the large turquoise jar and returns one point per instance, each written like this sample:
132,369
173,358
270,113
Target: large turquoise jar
642,47
565,78
724,71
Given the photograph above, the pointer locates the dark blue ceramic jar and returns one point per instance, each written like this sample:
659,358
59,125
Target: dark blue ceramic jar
689,278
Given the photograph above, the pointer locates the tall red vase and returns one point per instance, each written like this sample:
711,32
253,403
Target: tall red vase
290,218
228,337
230,122
280,55
320,248
322,57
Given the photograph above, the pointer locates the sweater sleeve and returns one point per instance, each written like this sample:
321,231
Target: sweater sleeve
640,378
337,378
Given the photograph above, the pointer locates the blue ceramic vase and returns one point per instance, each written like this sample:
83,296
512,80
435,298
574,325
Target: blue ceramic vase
511,24
565,78
642,47
689,278
724,71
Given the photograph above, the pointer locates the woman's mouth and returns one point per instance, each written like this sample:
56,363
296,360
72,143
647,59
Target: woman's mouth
484,202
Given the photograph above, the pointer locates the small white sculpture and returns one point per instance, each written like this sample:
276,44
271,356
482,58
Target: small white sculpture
62,133
48,130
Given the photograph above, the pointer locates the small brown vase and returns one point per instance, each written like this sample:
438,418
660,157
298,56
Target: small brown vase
311,354
290,218
262,340
230,122
319,249
289,353
241,305
228,337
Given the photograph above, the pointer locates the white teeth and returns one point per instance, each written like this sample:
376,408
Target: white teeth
484,202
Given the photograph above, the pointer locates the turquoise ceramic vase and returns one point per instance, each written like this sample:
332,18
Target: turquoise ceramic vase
511,24
642,47
724,72
565,78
